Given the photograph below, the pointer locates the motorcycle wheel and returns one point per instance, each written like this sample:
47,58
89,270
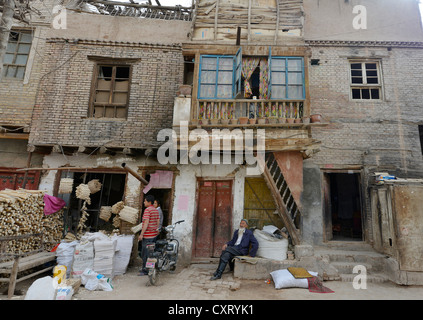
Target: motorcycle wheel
152,276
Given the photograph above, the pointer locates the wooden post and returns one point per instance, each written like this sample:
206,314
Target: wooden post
13,277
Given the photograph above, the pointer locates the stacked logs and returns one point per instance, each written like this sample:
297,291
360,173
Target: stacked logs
22,212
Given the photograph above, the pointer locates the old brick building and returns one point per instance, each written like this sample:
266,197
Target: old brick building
109,83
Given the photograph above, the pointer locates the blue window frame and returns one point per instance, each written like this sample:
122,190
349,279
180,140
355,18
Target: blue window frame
287,78
220,76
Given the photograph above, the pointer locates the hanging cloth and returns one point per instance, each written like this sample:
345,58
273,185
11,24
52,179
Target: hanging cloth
52,204
264,79
249,64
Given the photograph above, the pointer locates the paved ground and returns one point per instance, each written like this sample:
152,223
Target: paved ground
192,283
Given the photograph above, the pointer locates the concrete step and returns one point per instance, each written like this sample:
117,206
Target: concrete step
348,267
370,278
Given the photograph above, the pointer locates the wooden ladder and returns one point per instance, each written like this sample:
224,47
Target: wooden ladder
287,207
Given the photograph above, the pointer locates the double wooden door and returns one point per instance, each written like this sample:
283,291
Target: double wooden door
214,217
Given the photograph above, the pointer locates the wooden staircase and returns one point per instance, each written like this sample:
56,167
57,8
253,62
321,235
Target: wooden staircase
287,207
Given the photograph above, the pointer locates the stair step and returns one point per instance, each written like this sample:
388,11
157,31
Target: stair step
372,278
348,267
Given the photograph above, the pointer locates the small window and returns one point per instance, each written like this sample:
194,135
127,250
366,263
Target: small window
17,52
111,94
287,78
365,81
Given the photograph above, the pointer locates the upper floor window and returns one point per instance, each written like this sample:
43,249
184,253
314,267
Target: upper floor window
17,52
225,77
365,80
110,96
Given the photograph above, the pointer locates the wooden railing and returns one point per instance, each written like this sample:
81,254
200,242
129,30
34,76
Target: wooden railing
242,111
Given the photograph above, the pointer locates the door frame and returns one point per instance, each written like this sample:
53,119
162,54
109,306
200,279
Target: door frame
195,218
326,204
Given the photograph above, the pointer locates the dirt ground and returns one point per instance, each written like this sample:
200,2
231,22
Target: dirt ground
192,283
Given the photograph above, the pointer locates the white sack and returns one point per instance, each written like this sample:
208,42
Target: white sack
123,253
42,289
271,247
83,258
104,253
64,254
64,293
284,279
95,281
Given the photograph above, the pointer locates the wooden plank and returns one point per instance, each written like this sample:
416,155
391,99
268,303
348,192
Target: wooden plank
28,262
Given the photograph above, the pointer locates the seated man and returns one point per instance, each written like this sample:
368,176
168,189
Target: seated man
238,246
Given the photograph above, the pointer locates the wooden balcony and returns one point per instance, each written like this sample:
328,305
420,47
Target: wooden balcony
240,112
286,123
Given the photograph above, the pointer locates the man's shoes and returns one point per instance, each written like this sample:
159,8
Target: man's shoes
216,277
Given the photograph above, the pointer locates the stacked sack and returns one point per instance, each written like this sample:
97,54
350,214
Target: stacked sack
97,253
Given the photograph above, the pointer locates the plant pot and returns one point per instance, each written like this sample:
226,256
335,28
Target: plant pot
224,121
243,120
252,121
316,118
261,120
282,120
297,120
306,120
194,122
214,121
273,120
185,90
290,120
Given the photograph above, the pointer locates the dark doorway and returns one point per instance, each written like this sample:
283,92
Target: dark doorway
112,191
343,213
164,197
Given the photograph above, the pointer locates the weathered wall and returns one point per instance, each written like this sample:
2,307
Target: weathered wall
387,20
407,200
372,135
61,112
17,96
123,29
381,134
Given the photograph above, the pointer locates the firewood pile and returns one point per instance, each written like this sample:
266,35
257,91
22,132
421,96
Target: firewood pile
22,212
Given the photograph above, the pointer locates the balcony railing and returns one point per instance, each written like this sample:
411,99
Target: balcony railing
244,111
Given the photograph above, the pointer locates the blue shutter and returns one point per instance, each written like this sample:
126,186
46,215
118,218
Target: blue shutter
237,72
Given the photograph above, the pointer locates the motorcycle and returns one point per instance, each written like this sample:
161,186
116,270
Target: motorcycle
162,255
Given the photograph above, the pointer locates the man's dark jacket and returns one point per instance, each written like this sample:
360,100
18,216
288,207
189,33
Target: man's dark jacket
247,239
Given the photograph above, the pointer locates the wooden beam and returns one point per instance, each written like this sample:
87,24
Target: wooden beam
215,20
249,21
11,135
136,175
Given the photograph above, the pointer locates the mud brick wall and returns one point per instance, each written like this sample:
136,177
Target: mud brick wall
61,110
17,97
378,135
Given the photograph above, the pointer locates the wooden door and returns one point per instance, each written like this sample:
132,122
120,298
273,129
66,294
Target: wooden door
12,179
214,216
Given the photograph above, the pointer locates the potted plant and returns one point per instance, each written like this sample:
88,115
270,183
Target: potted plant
273,117
243,120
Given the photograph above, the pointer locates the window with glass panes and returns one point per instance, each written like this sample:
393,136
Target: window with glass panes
365,80
17,52
216,77
287,78
111,92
